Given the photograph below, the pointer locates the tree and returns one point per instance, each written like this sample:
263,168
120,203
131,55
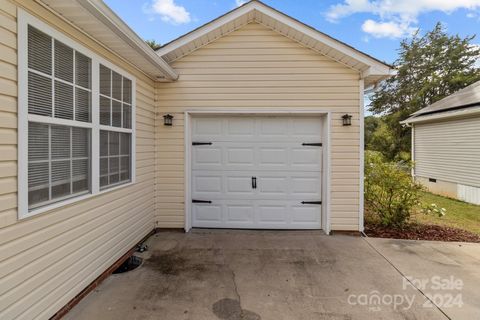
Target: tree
429,68
153,44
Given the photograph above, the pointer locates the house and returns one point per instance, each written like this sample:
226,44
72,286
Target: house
445,145
253,120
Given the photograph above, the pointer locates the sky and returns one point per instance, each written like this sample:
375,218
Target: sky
375,27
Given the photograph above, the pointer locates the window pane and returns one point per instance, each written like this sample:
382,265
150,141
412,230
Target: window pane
82,105
125,168
39,95
80,175
37,141
116,86
38,182
40,51
127,116
116,166
83,66
116,114
103,143
63,100
113,143
127,91
124,143
81,143
103,172
63,62
59,162
105,80
60,142
60,178
105,111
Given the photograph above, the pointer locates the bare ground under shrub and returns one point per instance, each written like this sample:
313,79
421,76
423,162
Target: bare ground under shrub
421,232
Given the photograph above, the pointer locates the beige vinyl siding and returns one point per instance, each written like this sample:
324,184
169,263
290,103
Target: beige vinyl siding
449,150
255,67
47,259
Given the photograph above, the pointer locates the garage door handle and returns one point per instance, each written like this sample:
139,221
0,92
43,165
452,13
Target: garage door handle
311,202
318,144
201,201
201,143
254,182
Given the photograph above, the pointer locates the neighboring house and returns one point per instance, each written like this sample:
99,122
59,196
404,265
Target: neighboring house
261,138
446,145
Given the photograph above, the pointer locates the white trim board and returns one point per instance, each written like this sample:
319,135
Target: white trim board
25,19
326,193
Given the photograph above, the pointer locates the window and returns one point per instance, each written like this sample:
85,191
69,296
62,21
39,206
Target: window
59,87
76,120
115,113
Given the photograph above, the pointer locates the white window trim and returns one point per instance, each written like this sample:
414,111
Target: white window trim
25,19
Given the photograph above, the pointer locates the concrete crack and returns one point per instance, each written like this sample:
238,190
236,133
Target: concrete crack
235,287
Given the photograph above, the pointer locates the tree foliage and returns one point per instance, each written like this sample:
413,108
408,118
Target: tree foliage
429,68
153,44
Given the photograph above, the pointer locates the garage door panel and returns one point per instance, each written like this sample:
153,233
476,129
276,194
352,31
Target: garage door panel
208,185
305,214
207,156
258,214
264,156
304,187
207,213
207,127
268,128
238,184
240,213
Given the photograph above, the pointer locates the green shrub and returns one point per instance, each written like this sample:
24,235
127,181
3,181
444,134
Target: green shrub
390,192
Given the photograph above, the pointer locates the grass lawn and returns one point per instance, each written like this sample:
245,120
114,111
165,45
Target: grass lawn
459,214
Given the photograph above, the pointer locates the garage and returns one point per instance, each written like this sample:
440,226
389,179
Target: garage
257,172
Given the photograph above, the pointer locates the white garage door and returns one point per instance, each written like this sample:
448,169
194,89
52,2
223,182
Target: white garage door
256,172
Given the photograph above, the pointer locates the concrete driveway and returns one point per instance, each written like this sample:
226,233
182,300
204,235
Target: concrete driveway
230,275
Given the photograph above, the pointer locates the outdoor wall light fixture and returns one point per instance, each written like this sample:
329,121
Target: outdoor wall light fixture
347,119
167,120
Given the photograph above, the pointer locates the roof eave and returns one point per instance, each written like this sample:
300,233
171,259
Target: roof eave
442,115
109,19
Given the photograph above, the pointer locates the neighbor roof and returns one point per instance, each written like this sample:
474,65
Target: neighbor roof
99,22
371,69
468,97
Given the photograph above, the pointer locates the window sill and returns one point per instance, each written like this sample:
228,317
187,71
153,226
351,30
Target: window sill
70,201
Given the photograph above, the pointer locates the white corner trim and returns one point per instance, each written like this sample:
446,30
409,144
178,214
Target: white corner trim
188,170
413,149
25,19
361,213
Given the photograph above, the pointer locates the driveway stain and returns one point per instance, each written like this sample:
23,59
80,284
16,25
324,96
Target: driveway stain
230,309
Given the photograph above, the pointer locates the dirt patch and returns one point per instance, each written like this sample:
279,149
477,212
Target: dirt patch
168,263
422,232
230,309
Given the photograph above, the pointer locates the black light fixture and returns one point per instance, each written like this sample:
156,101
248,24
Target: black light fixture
167,120
347,119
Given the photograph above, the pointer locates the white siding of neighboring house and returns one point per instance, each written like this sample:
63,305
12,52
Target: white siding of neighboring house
449,151
46,260
255,67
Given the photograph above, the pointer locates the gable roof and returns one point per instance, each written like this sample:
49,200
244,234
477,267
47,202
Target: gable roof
456,103
371,69
99,22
